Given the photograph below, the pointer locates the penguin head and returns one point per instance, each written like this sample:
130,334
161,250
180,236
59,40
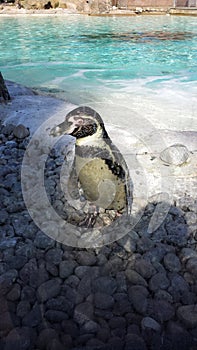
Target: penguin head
81,123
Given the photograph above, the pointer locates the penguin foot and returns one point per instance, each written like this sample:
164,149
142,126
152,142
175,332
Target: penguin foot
90,219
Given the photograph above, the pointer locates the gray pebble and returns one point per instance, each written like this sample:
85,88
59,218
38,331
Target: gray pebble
176,154
104,284
159,281
86,258
66,268
150,323
138,297
172,262
49,289
83,312
135,278
144,268
103,301
188,315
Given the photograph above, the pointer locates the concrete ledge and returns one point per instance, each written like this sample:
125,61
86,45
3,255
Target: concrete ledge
183,11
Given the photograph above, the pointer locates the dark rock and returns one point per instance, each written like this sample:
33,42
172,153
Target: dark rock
160,310
42,241
52,269
163,295
38,277
49,289
6,243
89,327
80,271
54,255
172,262
23,308
17,262
134,341
84,287
117,322
116,343
56,316
86,258
135,278
71,328
188,315
191,266
187,253
28,294
103,301
177,233
144,268
178,286
178,336
159,281
7,280
149,323
3,216
66,268
20,339
60,303
28,269
45,337
55,345
14,293
33,318
138,297
104,285
6,322
83,313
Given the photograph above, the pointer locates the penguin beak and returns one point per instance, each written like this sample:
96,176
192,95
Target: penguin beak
63,128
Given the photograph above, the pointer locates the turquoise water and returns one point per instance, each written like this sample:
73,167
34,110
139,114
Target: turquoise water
81,55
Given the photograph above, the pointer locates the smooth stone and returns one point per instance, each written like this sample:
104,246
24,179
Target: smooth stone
103,301
160,310
159,281
188,315
83,312
150,323
138,297
144,268
172,262
49,289
86,258
33,318
104,284
135,278
20,131
176,154
56,316
66,268
22,338
45,337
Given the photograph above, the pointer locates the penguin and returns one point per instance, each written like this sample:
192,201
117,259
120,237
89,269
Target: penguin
98,168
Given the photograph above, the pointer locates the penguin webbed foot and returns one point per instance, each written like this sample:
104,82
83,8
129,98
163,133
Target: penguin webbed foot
90,218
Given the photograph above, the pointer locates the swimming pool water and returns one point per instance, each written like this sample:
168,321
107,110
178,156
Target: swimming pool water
88,58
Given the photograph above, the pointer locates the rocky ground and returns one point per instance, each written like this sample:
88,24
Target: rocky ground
138,293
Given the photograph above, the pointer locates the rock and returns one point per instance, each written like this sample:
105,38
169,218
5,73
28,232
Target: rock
187,253
49,289
7,280
56,316
86,258
59,303
3,216
84,287
159,281
14,293
144,268
150,323
160,310
23,308
6,243
54,255
134,341
172,262
66,268
20,339
21,132
28,294
104,285
4,93
103,301
176,233
191,266
176,154
33,318
42,241
138,297
188,315
117,322
80,271
45,337
6,322
83,312
135,278
55,345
